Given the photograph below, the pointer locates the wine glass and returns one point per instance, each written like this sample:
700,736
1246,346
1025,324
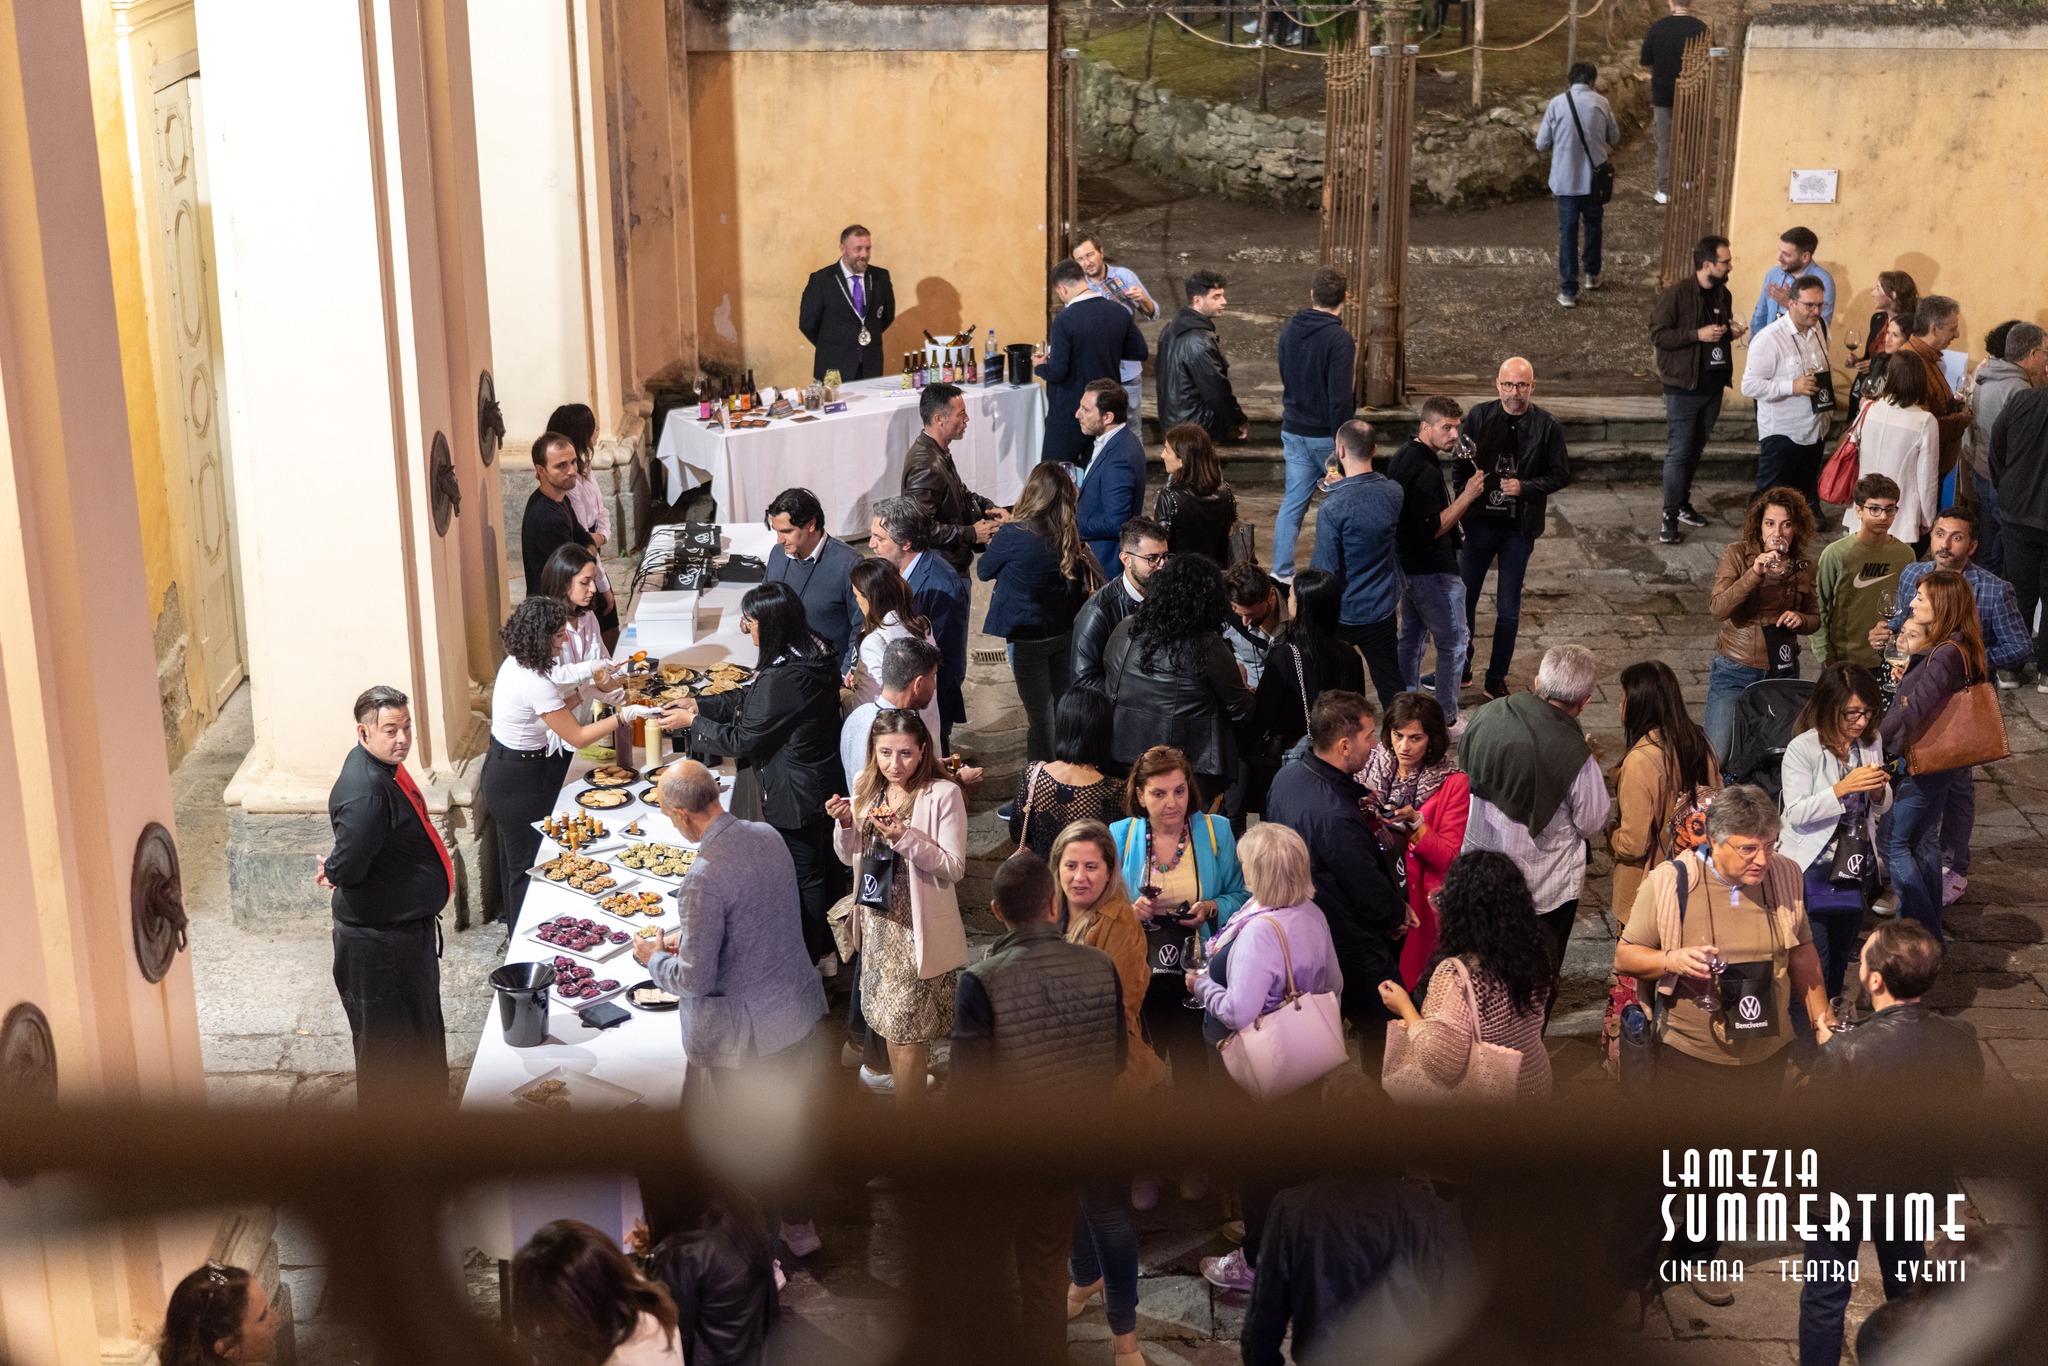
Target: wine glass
1847,1015
1197,960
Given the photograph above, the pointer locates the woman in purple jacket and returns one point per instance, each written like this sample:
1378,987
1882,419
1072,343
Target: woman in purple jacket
1246,978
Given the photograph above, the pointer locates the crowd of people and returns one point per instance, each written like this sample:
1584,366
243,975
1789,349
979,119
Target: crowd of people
1250,786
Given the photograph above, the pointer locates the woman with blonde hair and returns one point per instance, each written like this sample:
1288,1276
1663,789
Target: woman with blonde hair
907,815
1096,907
1042,574
1197,507
1946,611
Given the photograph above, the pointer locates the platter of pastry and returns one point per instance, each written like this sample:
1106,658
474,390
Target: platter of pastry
579,831
647,996
611,775
581,874
604,798
560,1091
663,862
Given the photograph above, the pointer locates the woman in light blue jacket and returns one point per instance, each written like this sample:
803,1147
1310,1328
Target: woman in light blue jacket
1181,867
1834,781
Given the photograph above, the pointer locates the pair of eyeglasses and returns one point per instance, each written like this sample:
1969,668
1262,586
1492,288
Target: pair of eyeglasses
1878,509
1154,560
1855,714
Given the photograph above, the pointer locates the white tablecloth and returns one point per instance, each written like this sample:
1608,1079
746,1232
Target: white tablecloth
645,1054
850,459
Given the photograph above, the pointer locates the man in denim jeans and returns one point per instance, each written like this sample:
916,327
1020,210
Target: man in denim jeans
1578,130
1519,450
1427,540
1318,372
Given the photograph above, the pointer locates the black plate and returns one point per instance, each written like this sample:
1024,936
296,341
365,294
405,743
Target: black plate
632,776
627,997
652,796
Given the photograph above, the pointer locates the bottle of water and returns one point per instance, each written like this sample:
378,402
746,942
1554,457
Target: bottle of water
992,359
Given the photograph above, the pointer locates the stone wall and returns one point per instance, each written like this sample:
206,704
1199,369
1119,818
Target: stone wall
1460,159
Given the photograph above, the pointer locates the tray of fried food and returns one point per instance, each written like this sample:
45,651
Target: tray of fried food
654,859
580,874
678,673
626,905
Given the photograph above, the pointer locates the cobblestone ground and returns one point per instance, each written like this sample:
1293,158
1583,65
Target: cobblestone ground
273,1032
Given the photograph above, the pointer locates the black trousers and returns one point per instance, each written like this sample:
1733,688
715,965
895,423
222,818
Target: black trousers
2026,569
1175,1032
1379,641
1559,923
1364,967
520,789
389,979
819,875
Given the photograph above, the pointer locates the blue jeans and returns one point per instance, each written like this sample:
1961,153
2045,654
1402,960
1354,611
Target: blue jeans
1304,456
1834,940
1959,822
1689,417
1434,603
1823,1303
1486,541
1572,210
1105,1248
1916,845
1990,545
1725,683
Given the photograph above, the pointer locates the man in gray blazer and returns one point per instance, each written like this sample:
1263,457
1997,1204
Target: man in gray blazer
750,993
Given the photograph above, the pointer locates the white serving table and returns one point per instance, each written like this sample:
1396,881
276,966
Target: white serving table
853,458
645,1054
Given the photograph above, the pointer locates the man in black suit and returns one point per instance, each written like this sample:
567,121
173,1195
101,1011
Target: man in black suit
847,307
390,875
1091,337
818,568
901,534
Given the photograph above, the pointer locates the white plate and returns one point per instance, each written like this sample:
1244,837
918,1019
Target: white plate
582,1092
599,953
622,879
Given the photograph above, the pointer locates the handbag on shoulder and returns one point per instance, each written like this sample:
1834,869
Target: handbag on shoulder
1491,1073
1968,731
1294,1045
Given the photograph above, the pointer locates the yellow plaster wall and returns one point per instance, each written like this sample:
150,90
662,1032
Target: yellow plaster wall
1930,129
787,148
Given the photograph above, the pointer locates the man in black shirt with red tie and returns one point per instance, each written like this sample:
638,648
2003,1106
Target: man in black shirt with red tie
391,875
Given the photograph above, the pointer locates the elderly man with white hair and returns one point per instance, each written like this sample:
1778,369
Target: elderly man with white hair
750,996
1537,791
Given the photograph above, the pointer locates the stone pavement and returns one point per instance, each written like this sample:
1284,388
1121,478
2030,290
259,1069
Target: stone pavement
273,1033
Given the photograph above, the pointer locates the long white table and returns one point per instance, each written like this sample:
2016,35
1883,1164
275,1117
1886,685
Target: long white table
645,1054
853,458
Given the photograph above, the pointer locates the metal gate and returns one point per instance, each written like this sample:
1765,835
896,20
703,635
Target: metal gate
1702,152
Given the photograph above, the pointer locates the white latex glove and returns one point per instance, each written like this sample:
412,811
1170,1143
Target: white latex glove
581,672
639,713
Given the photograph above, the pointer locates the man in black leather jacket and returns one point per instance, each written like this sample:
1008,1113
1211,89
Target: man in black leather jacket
1193,376
1141,550
1914,1055
962,521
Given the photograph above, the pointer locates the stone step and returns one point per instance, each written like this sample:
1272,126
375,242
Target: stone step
1262,465
1586,420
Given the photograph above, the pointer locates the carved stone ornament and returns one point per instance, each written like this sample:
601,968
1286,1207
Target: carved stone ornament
443,486
156,898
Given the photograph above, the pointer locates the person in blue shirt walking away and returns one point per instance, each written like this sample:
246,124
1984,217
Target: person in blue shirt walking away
1355,542
1318,394
1579,132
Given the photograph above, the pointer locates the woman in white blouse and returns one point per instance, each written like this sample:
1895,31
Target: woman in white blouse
533,738
1899,438
583,668
887,613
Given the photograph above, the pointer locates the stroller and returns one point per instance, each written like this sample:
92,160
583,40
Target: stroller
1764,717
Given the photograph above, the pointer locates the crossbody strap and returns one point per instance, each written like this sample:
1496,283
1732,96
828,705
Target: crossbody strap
1301,686
1573,105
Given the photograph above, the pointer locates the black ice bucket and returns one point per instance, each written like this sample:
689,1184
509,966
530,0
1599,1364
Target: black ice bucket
1020,362
523,1001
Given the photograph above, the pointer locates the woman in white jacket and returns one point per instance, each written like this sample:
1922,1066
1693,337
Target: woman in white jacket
1834,786
910,954
1900,438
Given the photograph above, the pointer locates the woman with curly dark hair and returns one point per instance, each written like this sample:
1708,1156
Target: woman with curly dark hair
577,1301
1490,937
218,1316
1764,596
1173,677
534,737
787,727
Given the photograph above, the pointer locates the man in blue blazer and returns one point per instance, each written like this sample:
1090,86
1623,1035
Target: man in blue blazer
818,568
1091,338
1113,483
901,535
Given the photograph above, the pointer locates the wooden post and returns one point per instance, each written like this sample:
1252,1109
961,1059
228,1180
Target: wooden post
1265,50
1478,50
1151,36
1571,38
1087,18
1384,354
1229,23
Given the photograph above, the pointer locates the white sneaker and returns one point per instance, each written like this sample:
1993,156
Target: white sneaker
1228,1272
1887,904
1252,27
1662,198
802,1239
1457,728
881,1083
1565,300
1952,886
1592,282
